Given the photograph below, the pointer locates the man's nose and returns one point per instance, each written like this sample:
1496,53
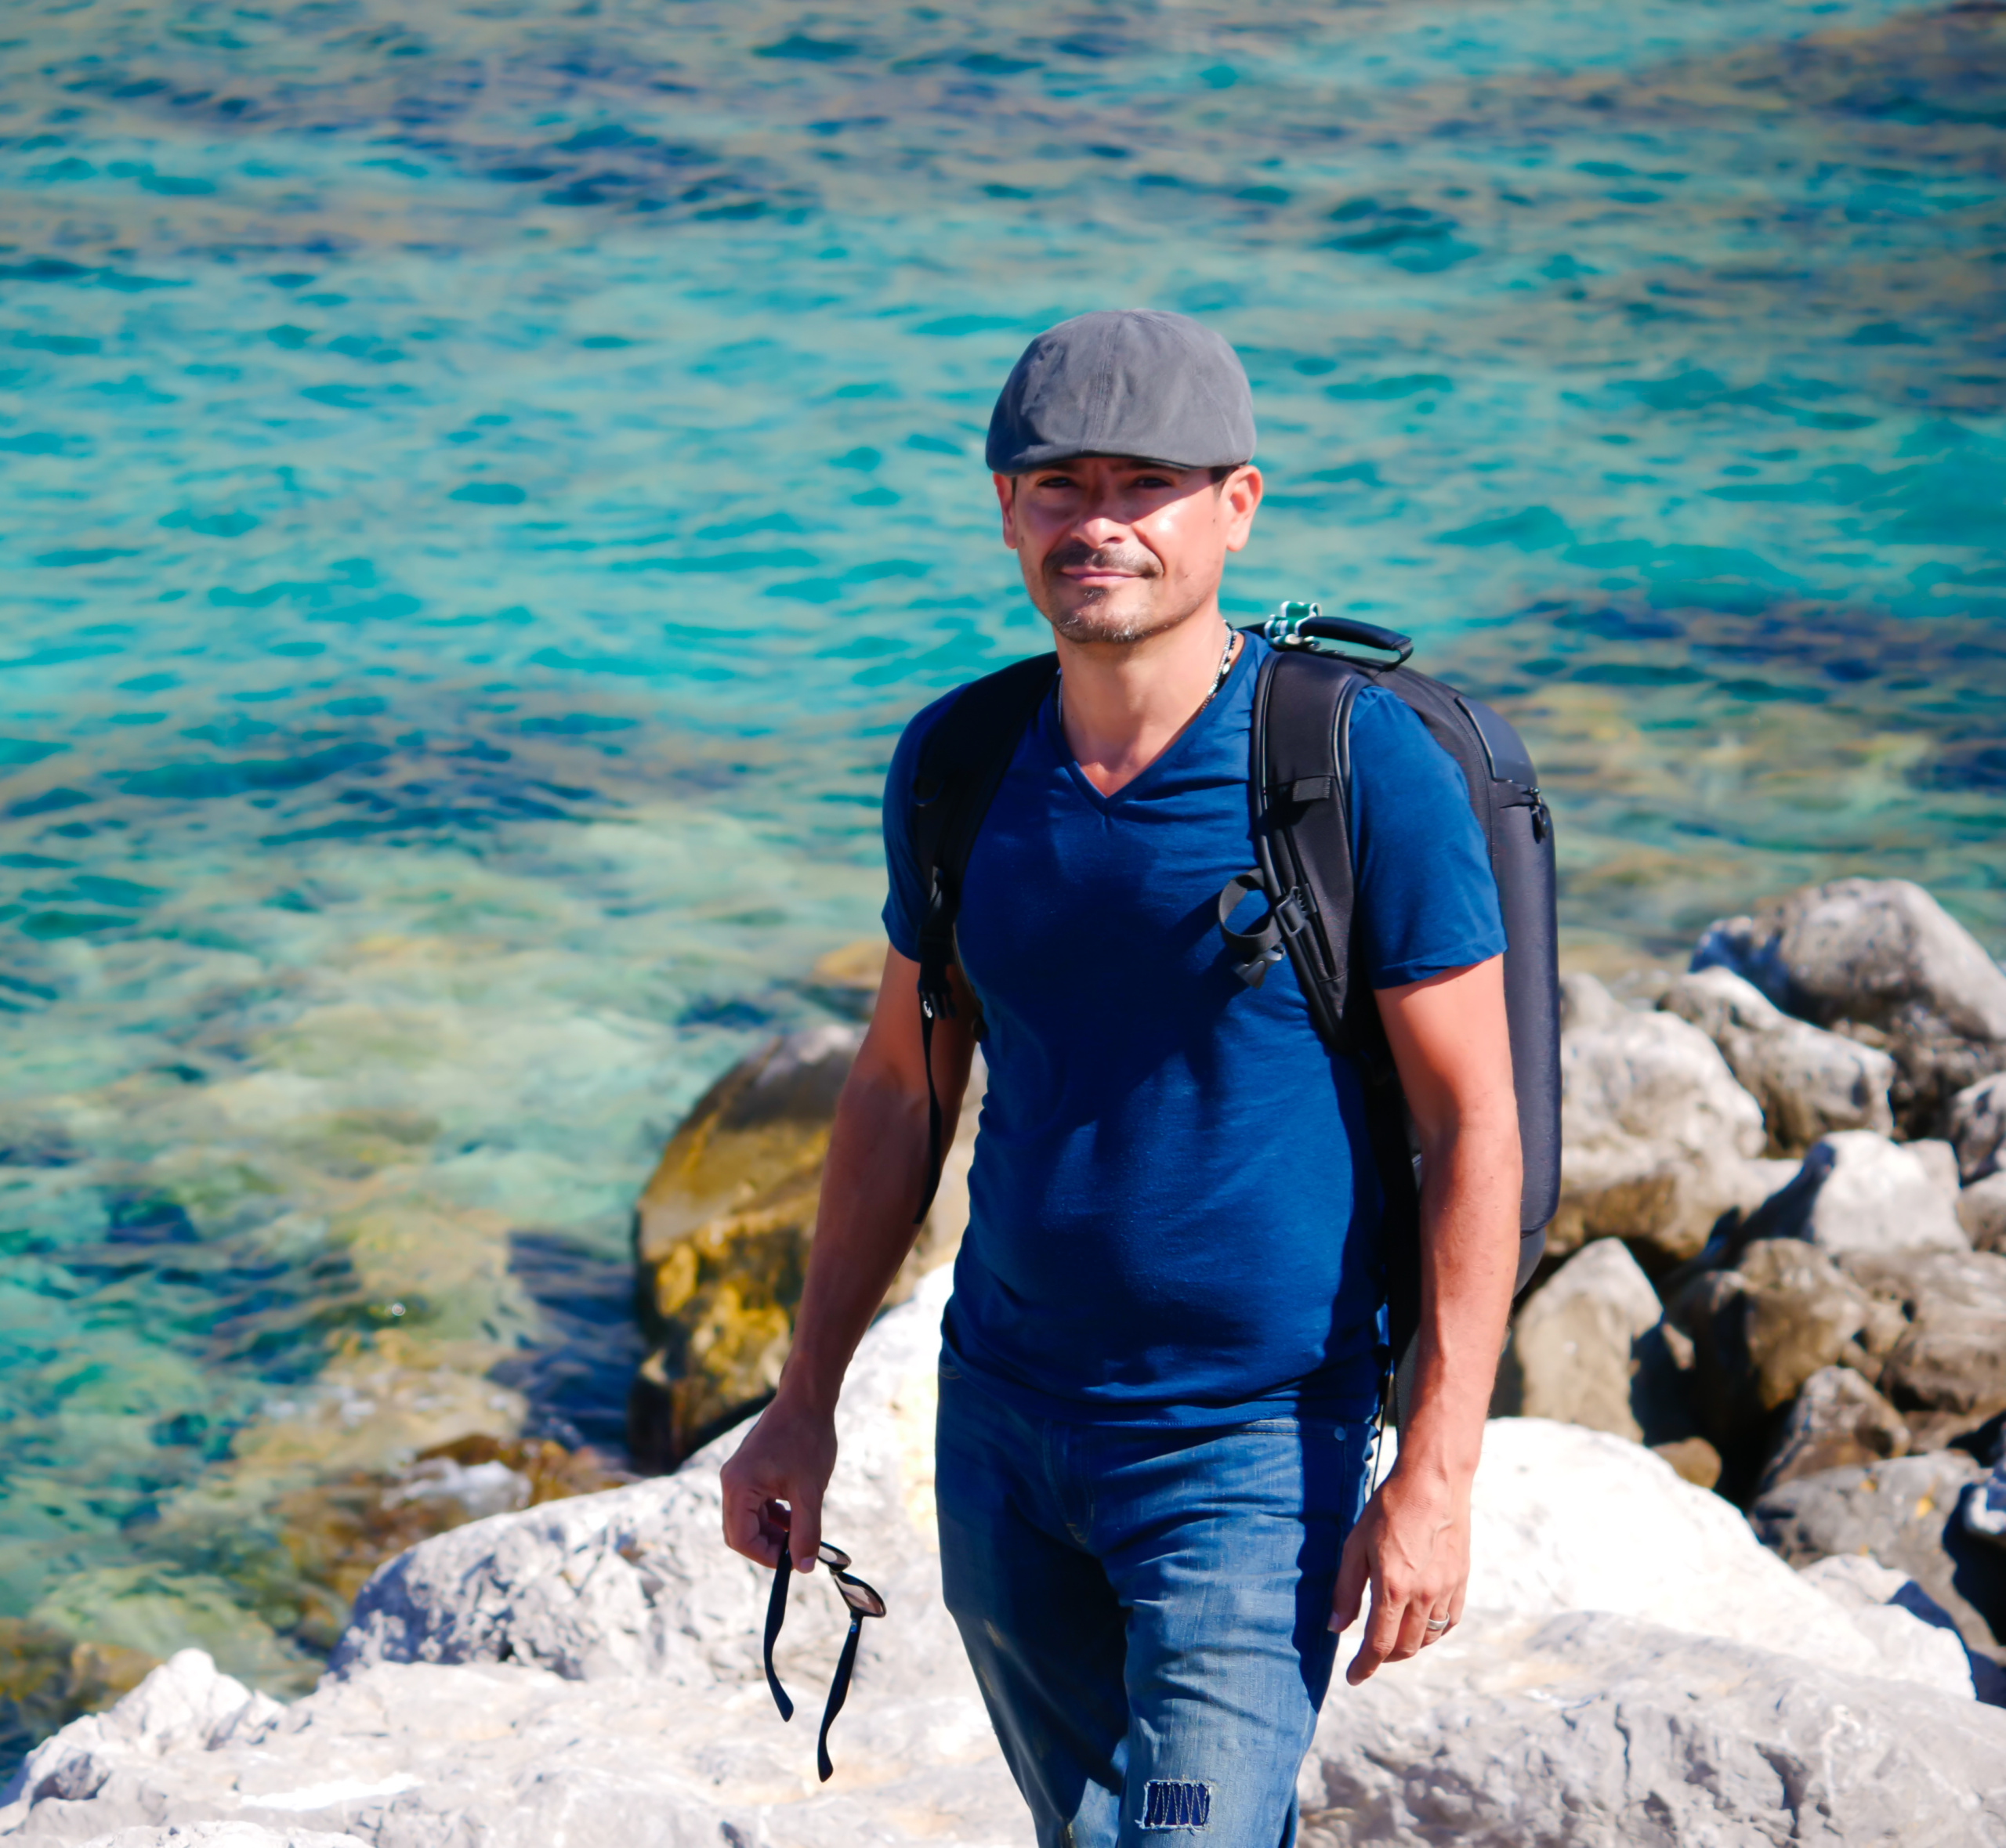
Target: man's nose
1099,525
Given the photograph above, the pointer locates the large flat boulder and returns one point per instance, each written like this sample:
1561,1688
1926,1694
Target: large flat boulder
1881,960
1808,1081
1657,1138
1581,1730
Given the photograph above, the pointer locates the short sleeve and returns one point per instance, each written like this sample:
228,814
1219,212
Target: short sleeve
1426,900
905,897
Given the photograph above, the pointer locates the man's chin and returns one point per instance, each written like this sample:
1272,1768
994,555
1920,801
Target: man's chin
1117,623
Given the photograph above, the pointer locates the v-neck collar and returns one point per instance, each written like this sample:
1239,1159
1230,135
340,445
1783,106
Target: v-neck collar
1206,716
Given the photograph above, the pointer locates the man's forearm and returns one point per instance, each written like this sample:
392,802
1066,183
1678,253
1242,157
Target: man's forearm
1469,1227
871,1181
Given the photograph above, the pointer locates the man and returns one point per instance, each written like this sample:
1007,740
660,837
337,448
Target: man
1162,1357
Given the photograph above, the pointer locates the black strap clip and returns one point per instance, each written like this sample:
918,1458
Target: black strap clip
1258,950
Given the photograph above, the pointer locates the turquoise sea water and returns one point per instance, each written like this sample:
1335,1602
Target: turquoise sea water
480,487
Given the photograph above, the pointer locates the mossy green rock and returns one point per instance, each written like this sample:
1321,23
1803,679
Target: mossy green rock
720,1237
722,1229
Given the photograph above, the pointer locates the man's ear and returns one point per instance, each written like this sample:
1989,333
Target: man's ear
1240,498
1006,498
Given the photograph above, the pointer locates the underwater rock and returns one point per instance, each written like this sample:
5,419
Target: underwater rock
722,1232
1879,960
1657,1138
152,1611
49,1678
1590,1350
1808,1081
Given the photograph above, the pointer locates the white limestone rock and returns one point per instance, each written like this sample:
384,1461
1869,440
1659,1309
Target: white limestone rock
1981,1213
1977,1128
1882,957
1940,1162
1588,1731
590,1671
416,1756
1809,1081
1887,1604
1657,1139
660,1734
185,1706
222,1835
1860,1192
1569,1519
1583,1354
1905,1513
636,1581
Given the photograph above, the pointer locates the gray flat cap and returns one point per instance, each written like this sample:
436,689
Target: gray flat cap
1123,382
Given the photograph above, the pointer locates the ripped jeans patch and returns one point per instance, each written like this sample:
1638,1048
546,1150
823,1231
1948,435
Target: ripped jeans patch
1170,1804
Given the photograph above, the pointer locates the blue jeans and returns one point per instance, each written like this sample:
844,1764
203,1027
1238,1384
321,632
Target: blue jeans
1146,1612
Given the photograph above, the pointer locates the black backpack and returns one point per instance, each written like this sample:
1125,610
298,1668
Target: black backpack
1298,781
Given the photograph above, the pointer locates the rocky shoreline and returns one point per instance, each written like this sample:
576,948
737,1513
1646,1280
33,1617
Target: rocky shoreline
1741,1521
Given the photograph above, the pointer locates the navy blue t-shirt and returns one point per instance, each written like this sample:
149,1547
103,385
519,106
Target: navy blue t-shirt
1173,1206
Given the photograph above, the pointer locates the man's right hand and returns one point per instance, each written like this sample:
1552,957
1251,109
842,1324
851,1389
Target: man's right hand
788,1457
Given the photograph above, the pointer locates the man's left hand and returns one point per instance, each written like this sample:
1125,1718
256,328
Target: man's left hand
1411,1548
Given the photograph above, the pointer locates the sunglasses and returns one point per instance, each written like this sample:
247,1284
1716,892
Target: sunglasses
863,1602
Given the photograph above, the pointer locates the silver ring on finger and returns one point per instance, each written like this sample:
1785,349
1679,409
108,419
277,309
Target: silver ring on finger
1437,1625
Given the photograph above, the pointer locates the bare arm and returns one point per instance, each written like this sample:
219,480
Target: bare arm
1412,1545
871,1182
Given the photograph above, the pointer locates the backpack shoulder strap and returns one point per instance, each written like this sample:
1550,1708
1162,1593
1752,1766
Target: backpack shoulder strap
1297,783
961,765
1300,784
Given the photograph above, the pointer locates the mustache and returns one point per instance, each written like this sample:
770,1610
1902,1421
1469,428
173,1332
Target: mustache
1136,560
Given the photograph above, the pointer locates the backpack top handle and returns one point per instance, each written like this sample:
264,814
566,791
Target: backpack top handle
1303,625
